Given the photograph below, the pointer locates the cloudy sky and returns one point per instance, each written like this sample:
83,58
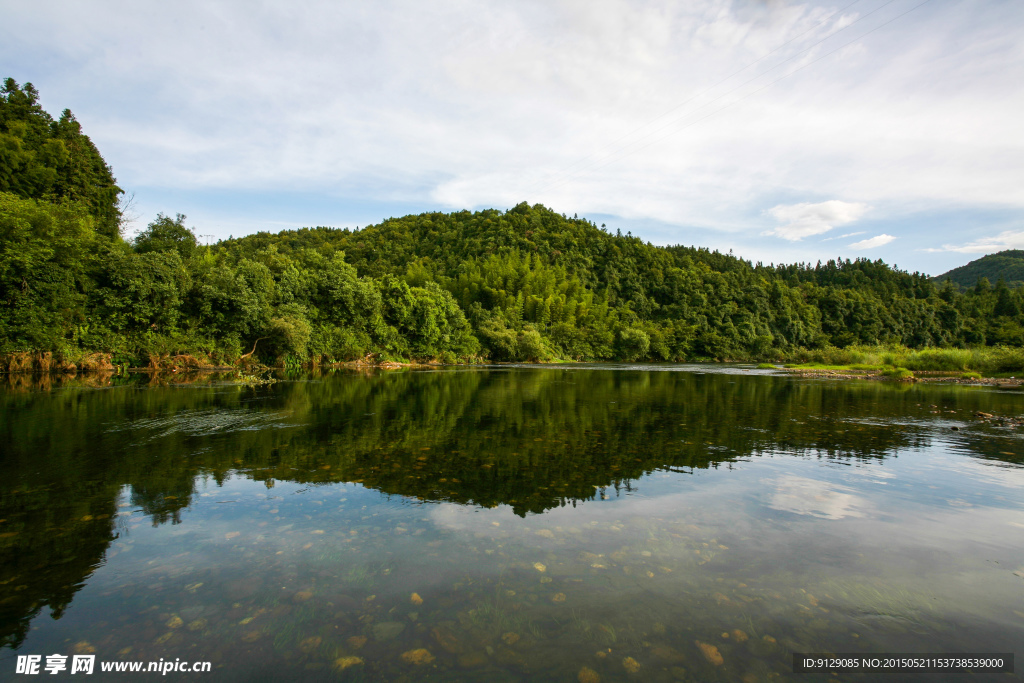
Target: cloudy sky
782,130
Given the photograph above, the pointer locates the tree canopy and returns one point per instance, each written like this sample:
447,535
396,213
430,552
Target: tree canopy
43,158
1005,265
517,285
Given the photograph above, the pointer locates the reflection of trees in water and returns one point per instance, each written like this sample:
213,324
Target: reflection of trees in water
51,541
529,438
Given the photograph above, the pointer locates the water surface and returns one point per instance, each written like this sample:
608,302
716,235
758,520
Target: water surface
509,524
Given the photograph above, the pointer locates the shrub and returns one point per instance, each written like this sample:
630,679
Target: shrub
898,374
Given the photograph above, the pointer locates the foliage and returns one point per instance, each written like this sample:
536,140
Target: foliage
1005,265
989,360
899,374
526,284
43,158
165,234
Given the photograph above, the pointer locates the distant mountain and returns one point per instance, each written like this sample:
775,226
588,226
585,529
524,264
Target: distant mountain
1008,265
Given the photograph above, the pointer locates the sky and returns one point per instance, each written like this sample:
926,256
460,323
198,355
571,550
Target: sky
783,131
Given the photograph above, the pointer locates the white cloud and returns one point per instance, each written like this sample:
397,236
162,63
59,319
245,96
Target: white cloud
620,107
804,220
1008,239
842,237
872,242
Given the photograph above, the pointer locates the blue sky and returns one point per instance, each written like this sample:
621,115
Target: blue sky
784,131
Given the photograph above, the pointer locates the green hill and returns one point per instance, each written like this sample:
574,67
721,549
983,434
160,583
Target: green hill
1006,265
521,284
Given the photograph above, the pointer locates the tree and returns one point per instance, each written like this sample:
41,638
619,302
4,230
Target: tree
166,234
45,159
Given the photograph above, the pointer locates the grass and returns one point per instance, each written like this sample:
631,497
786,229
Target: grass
994,360
898,374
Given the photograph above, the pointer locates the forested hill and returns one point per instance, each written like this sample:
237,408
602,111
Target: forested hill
523,284
1005,265
44,158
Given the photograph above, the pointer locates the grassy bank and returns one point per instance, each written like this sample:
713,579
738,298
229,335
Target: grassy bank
987,361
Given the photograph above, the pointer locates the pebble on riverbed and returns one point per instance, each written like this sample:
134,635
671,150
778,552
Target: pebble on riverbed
419,656
711,653
343,663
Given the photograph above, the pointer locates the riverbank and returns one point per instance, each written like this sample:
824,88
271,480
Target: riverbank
999,366
894,375
985,361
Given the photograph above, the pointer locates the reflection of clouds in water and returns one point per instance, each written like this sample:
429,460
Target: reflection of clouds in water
815,498
874,471
992,471
465,518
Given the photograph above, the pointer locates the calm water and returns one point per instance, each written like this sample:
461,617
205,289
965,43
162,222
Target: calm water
509,524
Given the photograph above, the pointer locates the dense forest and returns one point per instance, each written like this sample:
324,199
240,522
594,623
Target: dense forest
1005,265
524,284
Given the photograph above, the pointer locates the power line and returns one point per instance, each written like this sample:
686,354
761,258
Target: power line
627,153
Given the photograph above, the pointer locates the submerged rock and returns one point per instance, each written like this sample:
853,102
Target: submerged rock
588,675
630,665
310,644
506,657
446,638
472,660
419,656
343,663
711,653
668,654
387,630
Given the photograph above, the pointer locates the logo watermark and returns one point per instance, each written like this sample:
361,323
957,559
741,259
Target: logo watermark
86,664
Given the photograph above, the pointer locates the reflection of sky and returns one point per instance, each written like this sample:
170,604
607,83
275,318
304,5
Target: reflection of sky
815,498
931,528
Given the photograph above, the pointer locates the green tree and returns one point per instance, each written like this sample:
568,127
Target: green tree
166,234
41,158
